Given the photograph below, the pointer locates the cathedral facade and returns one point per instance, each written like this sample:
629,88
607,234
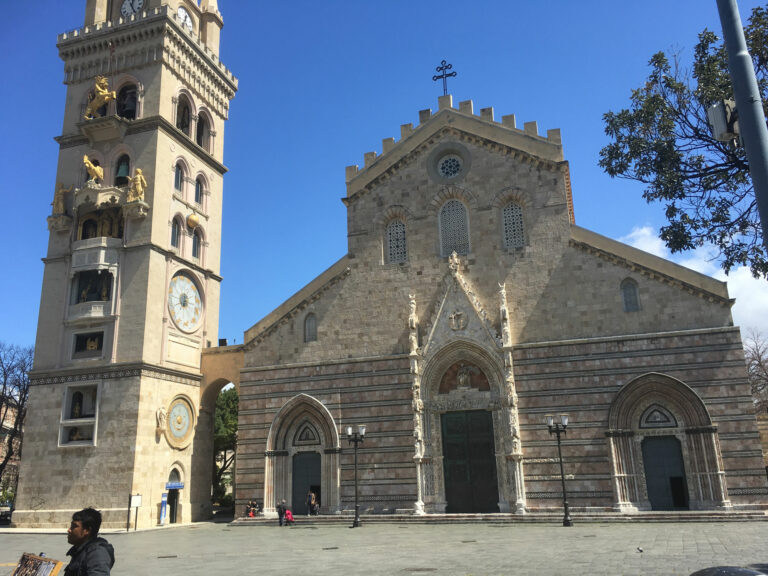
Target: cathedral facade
468,308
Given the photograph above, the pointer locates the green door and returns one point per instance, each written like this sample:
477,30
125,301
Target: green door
306,477
469,463
664,473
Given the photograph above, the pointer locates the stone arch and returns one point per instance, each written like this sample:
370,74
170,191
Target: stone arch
470,397
682,415
294,416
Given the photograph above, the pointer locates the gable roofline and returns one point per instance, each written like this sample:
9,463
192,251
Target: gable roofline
463,122
296,303
650,265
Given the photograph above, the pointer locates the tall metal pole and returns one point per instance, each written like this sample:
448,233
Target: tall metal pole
566,511
356,521
749,106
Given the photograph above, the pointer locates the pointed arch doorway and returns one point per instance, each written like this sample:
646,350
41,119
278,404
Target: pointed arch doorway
302,456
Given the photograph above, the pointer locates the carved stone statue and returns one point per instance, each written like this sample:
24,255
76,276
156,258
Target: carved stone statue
58,199
95,171
138,185
413,324
454,262
463,376
505,334
162,417
101,96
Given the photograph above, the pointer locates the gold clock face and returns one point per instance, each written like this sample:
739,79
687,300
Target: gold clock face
184,303
180,423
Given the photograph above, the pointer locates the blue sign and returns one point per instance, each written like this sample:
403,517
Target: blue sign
174,485
163,508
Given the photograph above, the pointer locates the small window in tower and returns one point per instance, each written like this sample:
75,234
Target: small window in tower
310,328
92,286
175,234
178,178
201,137
454,228
629,295
196,243
396,247
198,191
79,413
183,115
123,171
88,345
514,236
126,102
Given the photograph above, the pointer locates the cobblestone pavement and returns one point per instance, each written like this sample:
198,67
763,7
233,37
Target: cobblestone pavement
402,549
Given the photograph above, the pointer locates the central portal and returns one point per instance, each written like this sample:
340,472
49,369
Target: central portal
306,478
469,462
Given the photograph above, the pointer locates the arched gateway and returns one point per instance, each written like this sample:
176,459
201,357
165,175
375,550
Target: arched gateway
665,453
469,461
302,454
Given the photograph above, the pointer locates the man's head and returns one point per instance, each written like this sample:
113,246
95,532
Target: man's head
85,526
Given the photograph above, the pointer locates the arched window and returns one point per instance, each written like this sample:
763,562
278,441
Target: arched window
454,228
396,248
310,328
512,216
126,102
203,130
196,244
198,191
123,171
178,179
175,233
90,229
183,115
629,295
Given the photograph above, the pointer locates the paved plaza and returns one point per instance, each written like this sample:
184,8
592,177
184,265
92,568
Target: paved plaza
461,549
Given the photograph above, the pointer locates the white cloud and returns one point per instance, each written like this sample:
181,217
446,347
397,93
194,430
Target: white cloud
751,294
646,239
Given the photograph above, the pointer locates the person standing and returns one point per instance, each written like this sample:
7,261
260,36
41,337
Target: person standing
281,512
310,502
91,554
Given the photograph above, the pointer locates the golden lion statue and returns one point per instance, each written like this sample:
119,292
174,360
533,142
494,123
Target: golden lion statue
100,97
94,171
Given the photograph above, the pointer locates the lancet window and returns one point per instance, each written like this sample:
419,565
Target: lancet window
454,228
514,233
397,252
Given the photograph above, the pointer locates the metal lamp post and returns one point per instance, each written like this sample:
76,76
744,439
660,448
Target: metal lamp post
356,438
558,429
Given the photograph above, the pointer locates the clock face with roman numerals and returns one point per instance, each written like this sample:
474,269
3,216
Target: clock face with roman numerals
185,303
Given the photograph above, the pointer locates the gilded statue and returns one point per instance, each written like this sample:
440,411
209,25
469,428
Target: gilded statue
58,198
100,97
138,185
95,171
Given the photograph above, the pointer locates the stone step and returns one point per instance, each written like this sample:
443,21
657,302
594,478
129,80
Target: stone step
532,518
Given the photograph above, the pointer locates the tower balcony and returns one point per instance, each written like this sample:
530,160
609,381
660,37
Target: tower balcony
96,253
86,312
93,196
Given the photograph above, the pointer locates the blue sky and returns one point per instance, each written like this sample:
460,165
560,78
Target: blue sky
321,83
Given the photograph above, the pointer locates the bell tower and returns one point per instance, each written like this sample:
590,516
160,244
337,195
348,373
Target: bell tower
130,293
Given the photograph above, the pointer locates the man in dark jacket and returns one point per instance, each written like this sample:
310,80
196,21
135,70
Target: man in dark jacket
91,555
